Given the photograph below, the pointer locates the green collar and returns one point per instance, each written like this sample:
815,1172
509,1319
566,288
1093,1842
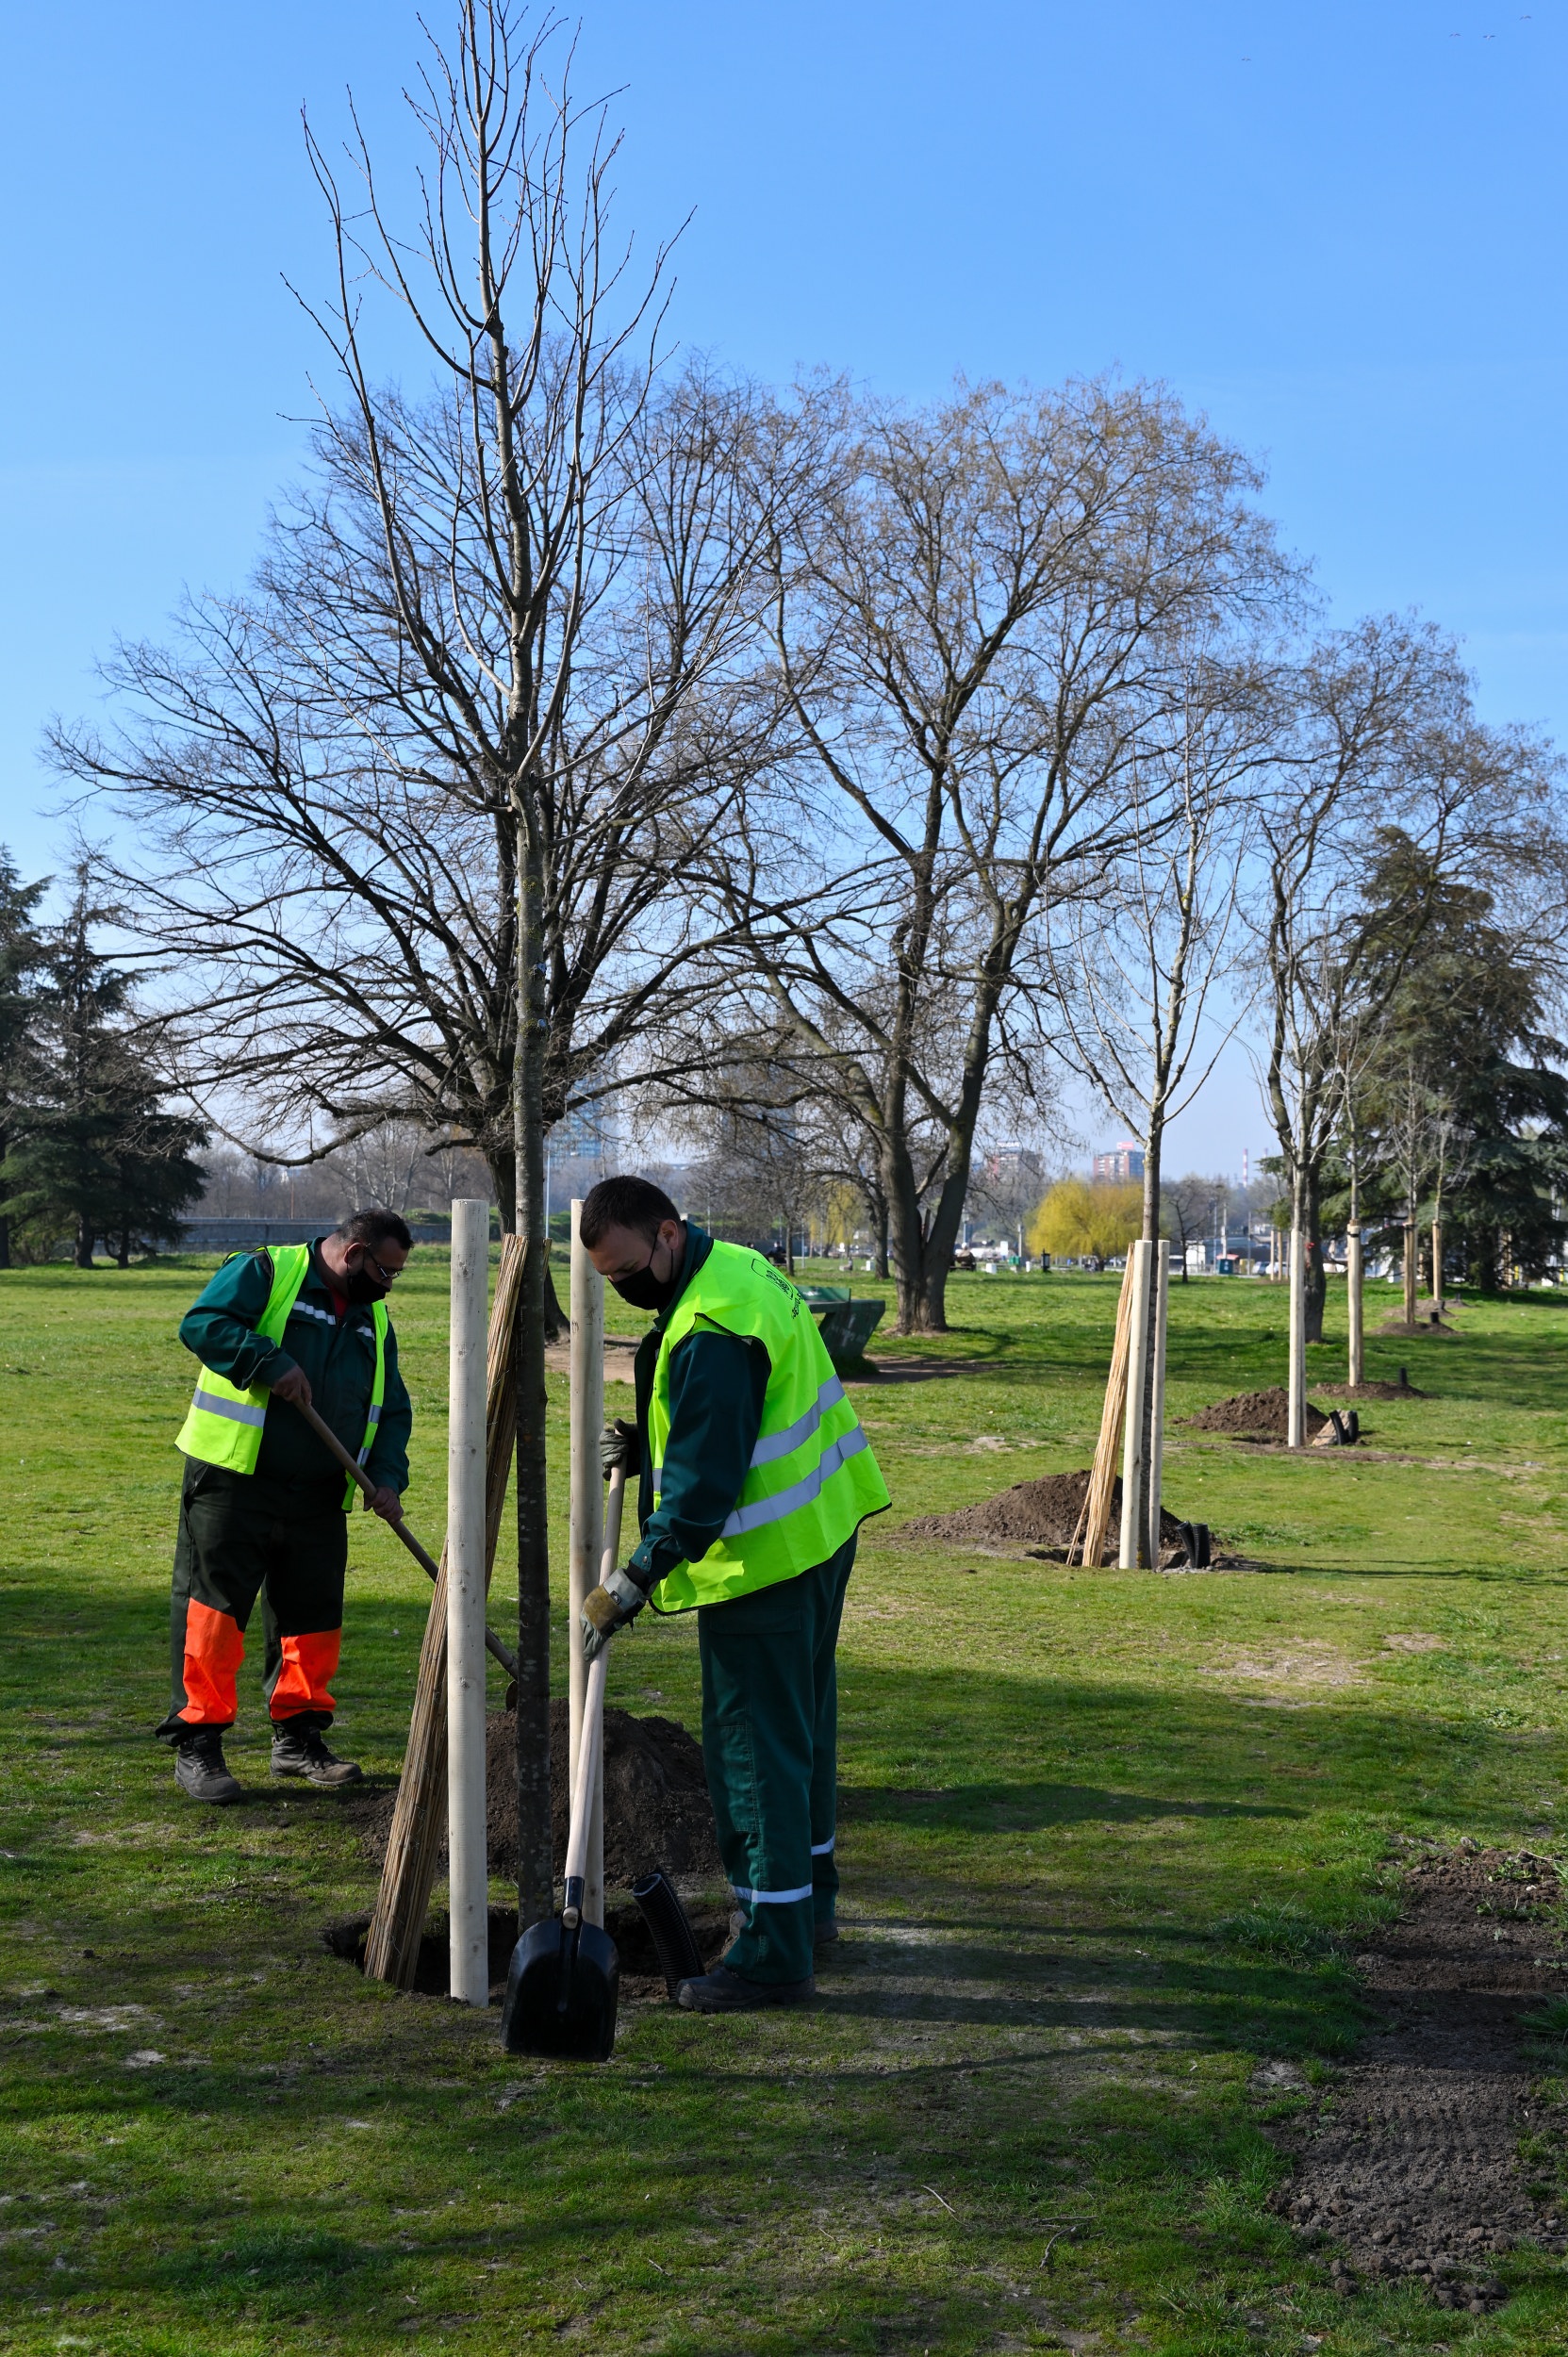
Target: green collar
698,1246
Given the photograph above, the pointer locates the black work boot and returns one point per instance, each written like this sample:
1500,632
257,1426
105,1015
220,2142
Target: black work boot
201,1770
299,1749
723,1991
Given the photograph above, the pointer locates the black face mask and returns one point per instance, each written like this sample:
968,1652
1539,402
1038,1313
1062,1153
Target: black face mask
361,1288
644,1291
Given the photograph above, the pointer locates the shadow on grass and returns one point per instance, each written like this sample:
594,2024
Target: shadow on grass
1029,1807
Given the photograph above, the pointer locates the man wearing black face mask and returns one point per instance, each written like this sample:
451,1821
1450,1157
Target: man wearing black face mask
754,1475
264,1507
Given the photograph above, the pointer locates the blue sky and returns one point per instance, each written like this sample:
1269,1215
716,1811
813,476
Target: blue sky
1337,229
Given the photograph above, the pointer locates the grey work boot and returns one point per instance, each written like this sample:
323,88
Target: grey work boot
723,1991
201,1770
299,1749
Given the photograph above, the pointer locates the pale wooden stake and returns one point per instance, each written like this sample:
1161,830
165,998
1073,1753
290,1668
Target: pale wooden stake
584,1529
1093,1519
1135,1529
419,1816
1157,1397
1353,1280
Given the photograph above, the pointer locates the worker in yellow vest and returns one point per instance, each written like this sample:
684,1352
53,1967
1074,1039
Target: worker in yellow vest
264,1505
756,1476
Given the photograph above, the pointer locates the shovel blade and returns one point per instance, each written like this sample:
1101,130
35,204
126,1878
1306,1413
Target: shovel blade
561,1992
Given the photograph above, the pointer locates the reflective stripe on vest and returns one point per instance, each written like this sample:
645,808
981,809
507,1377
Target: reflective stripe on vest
223,1426
812,1479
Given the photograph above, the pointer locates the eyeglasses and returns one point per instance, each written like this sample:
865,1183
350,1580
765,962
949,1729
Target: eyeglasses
388,1276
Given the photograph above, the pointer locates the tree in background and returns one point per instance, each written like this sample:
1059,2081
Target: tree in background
984,591
1087,1219
97,1157
1189,1204
1461,1112
25,962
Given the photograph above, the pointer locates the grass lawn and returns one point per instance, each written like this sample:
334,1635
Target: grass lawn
1090,1823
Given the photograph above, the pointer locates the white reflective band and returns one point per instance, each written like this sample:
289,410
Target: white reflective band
821,1849
798,1494
372,1413
771,1898
779,1444
237,1410
306,1310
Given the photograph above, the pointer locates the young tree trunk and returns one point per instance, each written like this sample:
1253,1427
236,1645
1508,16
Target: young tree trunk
123,1257
1437,1264
84,1243
1410,1272
536,1873
1315,1275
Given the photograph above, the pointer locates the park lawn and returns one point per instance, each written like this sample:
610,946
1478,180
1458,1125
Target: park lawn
1107,1842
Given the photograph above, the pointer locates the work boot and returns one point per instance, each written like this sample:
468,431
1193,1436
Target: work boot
723,1991
824,1933
299,1749
201,1770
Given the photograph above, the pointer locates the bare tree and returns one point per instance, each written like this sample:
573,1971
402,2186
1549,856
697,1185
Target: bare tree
1384,736
959,628
418,808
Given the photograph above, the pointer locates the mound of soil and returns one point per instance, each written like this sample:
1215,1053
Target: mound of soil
1030,1514
657,1812
1428,1328
1413,2162
1256,1416
656,1807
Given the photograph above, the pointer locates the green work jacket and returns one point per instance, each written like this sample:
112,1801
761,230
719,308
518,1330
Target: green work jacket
338,1360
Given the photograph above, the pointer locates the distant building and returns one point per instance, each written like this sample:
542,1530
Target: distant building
1125,1161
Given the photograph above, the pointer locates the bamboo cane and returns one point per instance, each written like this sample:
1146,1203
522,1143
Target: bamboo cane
419,1817
1093,1519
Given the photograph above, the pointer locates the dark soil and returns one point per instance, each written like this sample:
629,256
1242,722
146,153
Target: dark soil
640,1975
1256,1416
656,1807
1411,2163
1032,1513
1426,1328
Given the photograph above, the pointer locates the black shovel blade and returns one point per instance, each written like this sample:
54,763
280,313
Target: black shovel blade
561,1992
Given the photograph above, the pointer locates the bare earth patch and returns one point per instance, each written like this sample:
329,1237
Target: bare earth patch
1256,1416
1307,1661
1412,2164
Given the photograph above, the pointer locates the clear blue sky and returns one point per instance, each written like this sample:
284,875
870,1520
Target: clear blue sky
1338,229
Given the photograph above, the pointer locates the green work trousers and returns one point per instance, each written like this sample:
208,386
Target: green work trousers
770,1748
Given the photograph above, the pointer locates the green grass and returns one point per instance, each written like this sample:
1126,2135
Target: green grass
1109,1841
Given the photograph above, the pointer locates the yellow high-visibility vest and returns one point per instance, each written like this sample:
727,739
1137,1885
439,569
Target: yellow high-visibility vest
222,1425
811,1480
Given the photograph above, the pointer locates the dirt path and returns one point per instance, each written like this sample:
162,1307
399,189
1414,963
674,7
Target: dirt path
1413,2162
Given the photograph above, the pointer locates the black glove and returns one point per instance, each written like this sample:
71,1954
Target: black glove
609,1607
620,1445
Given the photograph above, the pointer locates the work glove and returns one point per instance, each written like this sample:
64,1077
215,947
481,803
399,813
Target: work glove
605,1608
620,1445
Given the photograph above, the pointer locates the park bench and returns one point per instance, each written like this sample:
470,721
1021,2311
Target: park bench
845,1325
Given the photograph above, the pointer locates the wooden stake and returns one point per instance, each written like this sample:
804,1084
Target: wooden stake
1353,1280
419,1817
584,1529
467,1871
1134,1533
1156,1418
1295,1432
1093,1519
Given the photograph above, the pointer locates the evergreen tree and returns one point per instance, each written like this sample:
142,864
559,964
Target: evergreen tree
1462,1045
96,1155
24,959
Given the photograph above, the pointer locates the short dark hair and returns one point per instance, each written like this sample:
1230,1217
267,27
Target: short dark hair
627,1202
373,1228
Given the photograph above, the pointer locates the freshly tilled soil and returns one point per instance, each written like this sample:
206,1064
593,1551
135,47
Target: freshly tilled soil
1256,1416
1030,1514
657,1813
1411,2163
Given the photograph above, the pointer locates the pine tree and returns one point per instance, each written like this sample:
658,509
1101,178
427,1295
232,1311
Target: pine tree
96,1155
24,959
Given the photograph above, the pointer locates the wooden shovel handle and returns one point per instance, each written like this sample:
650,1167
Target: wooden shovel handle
356,1471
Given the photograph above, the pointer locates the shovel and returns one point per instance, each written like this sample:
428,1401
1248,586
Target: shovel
565,1978
355,1471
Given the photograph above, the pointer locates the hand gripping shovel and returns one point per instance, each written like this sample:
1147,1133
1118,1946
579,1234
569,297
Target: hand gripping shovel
565,1976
